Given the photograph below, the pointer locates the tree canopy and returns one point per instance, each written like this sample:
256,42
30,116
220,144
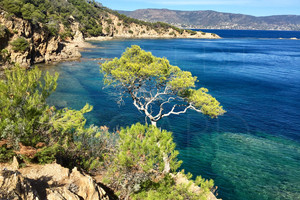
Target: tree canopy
158,88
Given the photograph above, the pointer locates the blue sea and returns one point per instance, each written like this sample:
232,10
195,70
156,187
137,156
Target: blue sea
253,151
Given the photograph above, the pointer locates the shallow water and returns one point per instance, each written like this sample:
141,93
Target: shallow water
253,151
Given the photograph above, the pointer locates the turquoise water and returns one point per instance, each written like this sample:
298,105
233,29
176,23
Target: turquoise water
253,151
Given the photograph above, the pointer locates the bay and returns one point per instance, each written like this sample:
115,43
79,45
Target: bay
253,151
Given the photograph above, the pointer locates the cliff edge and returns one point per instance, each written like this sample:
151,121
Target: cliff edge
50,181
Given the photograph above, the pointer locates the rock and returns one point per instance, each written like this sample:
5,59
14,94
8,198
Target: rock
15,164
50,181
14,186
42,46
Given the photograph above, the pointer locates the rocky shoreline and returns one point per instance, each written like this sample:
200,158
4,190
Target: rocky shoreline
44,47
54,182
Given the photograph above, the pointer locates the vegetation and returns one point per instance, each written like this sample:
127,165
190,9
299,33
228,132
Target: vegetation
132,161
20,44
155,86
51,12
4,56
138,167
26,120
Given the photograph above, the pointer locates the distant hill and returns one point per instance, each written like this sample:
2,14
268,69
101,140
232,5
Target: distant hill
208,19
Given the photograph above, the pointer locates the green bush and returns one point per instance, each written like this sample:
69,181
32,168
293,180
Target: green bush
167,189
48,154
23,105
6,154
109,21
140,157
4,55
130,31
3,31
20,45
52,28
107,29
13,6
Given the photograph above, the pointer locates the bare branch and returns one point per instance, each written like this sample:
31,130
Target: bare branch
179,112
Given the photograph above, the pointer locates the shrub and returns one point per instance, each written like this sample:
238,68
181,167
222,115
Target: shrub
20,45
52,28
6,153
109,21
5,55
107,29
13,6
23,107
3,31
130,31
140,157
167,189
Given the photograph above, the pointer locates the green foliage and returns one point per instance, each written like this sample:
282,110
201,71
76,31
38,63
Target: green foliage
6,154
107,30
20,44
167,189
144,76
207,104
191,32
22,103
26,118
140,157
52,28
13,6
66,34
143,148
3,31
109,21
27,10
69,123
57,11
48,154
4,55
130,31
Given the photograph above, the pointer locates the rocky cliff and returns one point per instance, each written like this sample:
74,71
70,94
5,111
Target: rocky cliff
42,47
115,27
39,45
50,181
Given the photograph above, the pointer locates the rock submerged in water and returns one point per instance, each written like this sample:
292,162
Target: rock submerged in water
50,181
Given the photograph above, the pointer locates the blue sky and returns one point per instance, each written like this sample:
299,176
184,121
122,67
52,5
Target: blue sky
251,7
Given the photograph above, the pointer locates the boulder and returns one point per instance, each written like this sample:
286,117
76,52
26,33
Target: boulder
50,181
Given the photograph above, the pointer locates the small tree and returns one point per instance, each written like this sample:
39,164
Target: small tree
140,160
23,104
20,45
157,88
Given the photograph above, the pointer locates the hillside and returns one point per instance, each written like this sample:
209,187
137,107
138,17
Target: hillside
216,20
36,31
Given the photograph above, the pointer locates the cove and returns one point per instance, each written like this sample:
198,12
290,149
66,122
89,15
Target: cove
253,151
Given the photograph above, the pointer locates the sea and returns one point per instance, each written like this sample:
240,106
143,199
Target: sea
252,152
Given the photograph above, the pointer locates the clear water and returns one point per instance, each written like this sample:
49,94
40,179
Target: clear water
253,151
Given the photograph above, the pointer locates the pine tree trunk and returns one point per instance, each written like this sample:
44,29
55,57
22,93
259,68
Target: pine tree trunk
167,167
153,123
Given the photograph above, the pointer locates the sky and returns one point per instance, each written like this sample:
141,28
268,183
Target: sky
250,7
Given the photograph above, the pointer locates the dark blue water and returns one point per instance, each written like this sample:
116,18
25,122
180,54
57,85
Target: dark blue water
253,151
253,33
